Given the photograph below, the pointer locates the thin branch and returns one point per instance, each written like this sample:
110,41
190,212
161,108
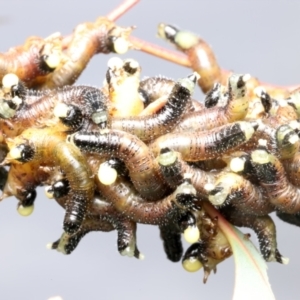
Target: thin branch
115,14
121,9
160,52
182,60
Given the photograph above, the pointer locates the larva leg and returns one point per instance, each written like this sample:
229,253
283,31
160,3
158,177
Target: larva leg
127,239
66,244
172,242
101,217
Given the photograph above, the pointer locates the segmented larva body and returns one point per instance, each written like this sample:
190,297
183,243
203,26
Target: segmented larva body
156,156
199,53
263,226
55,62
270,171
50,149
172,244
150,127
156,87
126,200
175,170
19,186
142,166
88,39
32,61
234,110
69,108
206,145
292,168
210,250
126,228
233,189
101,216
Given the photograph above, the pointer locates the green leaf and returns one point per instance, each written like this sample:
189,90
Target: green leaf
251,279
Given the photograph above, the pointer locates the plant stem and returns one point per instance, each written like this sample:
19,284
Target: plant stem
182,60
121,9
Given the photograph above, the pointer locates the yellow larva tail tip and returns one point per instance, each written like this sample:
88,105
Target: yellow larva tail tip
246,77
260,156
53,60
285,260
237,164
115,63
167,158
192,264
9,80
61,110
141,256
192,234
25,211
49,192
15,153
106,174
121,46
49,246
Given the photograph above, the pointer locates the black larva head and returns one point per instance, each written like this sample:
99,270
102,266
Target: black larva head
186,200
60,188
144,96
44,67
74,118
29,199
213,96
131,66
110,43
194,251
119,166
167,32
18,90
266,101
108,75
26,153
186,220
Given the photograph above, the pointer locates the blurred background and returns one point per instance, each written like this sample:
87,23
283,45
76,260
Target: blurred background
256,37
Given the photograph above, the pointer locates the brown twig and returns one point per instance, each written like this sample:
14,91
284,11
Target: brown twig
121,9
160,52
115,14
182,60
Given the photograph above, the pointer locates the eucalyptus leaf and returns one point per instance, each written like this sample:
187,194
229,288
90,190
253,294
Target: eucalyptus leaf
251,279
